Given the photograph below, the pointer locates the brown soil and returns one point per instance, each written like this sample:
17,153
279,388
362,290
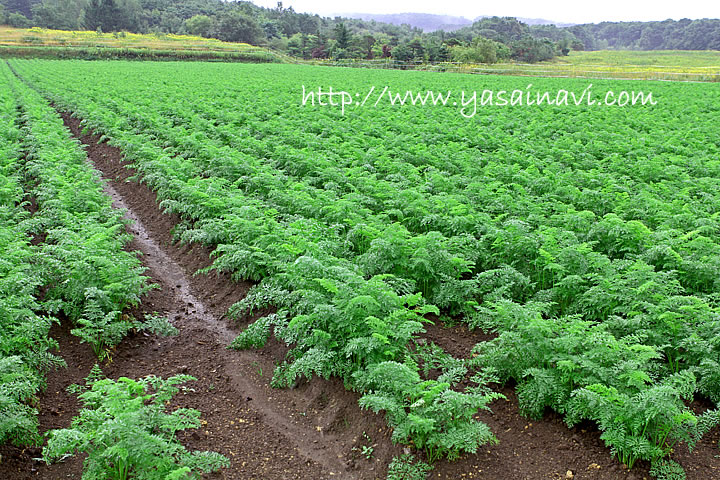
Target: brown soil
314,431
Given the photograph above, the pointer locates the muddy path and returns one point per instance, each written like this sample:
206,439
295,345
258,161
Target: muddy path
315,431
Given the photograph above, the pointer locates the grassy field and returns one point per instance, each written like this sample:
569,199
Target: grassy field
656,58
700,66
41,36
45,43
655,65
674,65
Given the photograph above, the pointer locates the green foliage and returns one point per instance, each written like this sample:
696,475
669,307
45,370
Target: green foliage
25,344
18,384
59,14
550,358
258,333
667,470
665,35
481,50
644,426
431,356
158,325
111,15
405,467
76,263
101,330
705,422
583,371
426,413
199,25
237,27
126,433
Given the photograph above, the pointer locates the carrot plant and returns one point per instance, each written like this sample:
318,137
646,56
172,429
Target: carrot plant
127,434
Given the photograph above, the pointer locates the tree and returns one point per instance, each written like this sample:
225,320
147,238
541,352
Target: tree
18,20
342,36
95,14
59,14
301,45
533,50
368,41
307,23
564,46
380,40
402,53
503,29
271,29
319,52
577,45
23,7
112,15
234,26
199,25
417,49
482,50
436,51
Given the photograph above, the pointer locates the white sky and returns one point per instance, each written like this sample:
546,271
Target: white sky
557,10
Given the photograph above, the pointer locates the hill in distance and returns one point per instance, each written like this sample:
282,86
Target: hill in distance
537,21
431,22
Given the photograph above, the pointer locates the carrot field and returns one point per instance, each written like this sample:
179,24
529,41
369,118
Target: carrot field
421,262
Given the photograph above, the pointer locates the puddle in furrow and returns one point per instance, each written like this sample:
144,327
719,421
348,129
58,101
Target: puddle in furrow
165,269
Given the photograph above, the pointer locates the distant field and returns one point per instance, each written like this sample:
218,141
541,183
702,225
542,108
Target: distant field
43,36
43,42
655,58
698,66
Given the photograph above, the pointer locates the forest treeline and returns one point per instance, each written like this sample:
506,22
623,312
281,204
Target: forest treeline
304,35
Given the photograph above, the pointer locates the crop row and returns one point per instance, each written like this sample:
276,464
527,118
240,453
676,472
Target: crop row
74,267
586,239
24,340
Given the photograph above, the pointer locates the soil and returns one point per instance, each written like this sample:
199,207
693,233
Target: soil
313,431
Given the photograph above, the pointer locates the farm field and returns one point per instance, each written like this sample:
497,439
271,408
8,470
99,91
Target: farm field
699,66
43,42
506,291
659,58
668,65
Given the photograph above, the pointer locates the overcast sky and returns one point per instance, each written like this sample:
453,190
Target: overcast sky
570,11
